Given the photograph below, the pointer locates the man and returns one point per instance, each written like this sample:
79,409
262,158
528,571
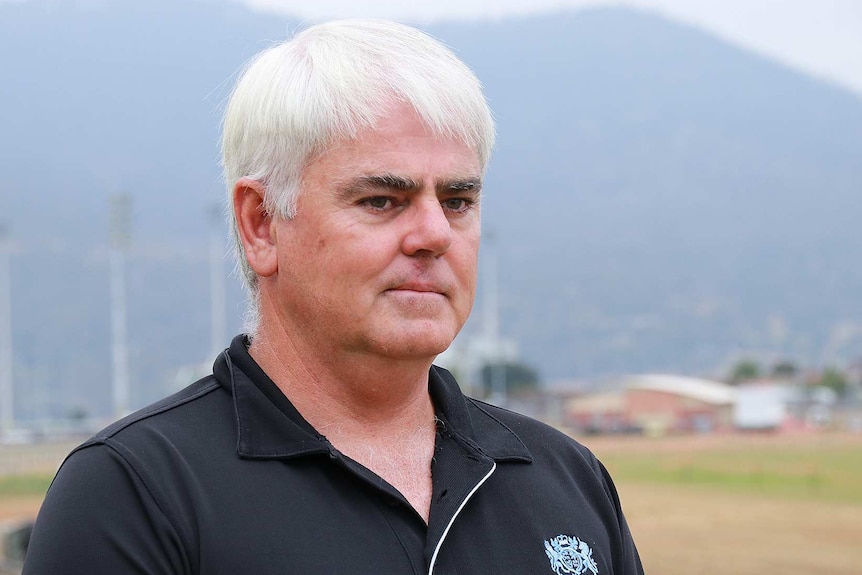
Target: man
325,441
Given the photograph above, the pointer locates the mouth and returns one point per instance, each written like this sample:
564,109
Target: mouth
418,287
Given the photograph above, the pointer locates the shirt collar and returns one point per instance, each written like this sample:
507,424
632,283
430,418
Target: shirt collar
472,421
269,426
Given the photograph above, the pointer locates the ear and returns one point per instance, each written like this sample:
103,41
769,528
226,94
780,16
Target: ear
255,226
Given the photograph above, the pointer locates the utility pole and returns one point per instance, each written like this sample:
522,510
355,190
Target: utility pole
7,389
491,323
218,321
119,229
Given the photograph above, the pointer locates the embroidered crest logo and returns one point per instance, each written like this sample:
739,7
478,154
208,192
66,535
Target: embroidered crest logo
570,556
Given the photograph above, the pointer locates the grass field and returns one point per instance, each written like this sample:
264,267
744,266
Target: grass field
718,504
810,467
741,505
13,486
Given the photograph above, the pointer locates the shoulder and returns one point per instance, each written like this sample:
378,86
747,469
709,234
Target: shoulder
146,462
177,405
182,418
161,439
102,498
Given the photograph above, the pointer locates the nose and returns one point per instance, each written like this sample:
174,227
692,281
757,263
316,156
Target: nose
428,230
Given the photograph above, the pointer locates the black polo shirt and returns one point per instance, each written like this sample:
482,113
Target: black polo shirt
227,478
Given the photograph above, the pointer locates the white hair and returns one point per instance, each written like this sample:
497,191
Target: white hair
325,85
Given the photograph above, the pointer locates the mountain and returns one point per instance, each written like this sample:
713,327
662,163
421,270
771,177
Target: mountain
659,199
666,200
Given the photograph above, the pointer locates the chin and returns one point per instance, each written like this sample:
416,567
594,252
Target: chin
425,350
416,344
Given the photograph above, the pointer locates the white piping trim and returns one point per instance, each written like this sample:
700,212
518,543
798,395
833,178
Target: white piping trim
457,511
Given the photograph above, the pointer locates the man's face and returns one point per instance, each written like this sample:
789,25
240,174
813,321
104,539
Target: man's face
381,255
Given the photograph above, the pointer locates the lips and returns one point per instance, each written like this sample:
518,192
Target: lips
419,286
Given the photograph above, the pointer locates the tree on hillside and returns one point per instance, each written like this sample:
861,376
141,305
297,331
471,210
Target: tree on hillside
785,369
834,379
743,370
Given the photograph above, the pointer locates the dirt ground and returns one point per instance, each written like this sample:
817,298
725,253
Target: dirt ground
685,530
13,509
688,531
41,458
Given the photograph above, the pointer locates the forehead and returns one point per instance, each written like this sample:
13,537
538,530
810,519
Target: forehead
398,143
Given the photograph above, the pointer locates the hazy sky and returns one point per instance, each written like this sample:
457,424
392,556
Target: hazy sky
822,37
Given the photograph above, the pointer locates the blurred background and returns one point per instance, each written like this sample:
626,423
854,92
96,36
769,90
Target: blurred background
671,259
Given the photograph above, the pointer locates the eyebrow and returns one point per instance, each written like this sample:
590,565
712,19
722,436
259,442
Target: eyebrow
471,185
387,182
394,182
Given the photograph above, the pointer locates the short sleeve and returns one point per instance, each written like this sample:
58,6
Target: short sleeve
99,518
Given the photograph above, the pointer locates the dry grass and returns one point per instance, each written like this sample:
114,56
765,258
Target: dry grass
683,532
25,472
734,523
19,507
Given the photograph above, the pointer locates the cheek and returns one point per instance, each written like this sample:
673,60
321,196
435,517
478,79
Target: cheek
468,256
358,257
466,272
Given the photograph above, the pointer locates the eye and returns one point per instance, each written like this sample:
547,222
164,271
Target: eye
458,204
378,202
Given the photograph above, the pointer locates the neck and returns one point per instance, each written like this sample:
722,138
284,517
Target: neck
351,390
376,411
